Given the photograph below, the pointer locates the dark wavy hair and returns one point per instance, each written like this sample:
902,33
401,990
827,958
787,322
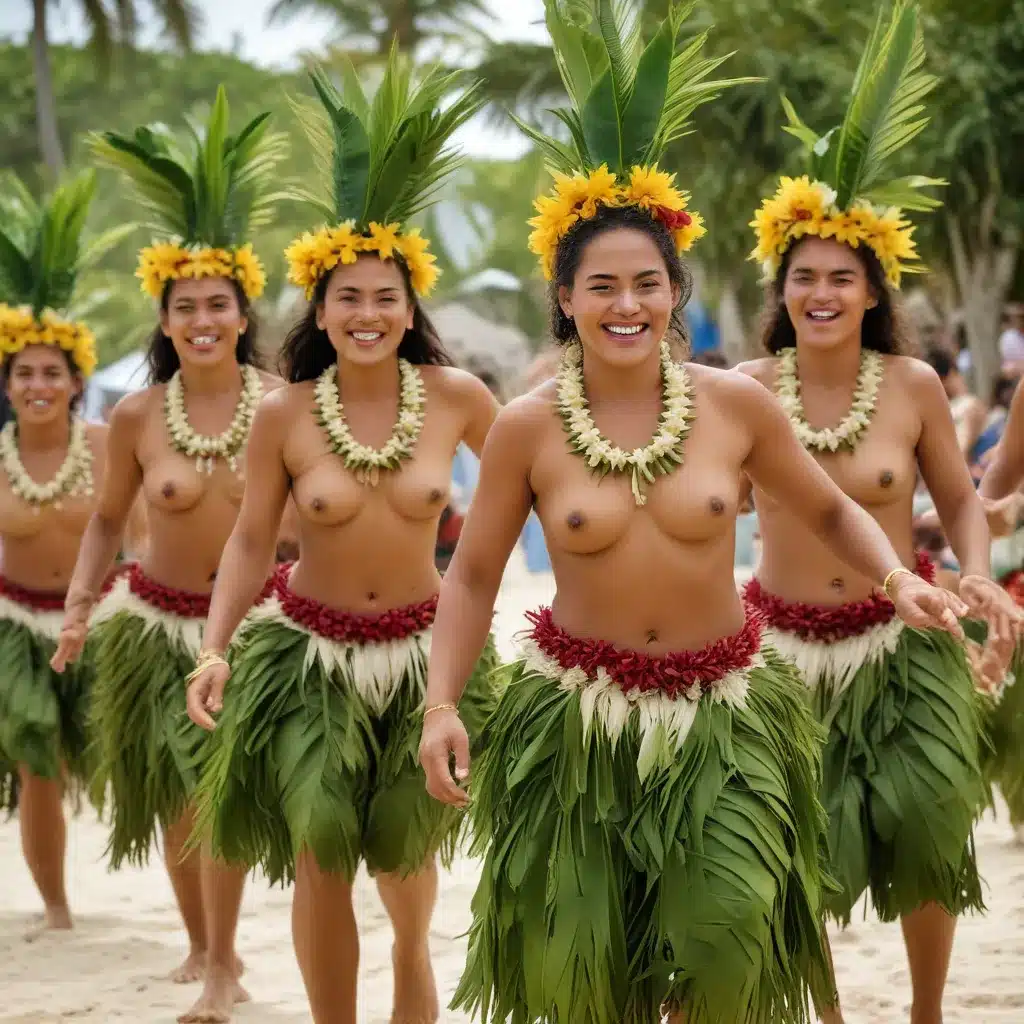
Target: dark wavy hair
7,368
882,330
307,351
163,361
569,256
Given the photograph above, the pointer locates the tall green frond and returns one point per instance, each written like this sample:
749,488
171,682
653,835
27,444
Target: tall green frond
201,184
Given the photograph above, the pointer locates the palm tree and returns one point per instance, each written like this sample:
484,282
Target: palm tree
375,23
109,25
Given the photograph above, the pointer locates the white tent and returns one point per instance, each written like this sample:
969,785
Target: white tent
113,382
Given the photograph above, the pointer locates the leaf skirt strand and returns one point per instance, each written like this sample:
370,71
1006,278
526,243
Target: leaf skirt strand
628,866
902,779
317,750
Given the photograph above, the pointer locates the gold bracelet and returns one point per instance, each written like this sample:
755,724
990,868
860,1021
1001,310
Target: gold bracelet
901,571
205,660
441,707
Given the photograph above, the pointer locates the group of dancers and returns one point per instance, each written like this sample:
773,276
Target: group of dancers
675,784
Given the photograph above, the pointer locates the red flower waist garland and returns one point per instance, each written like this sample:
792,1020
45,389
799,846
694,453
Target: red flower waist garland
828,623
672,674
184,603
348,627
45,600
1013,584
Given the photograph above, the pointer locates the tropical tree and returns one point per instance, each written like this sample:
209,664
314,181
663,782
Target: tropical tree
110,25
373,24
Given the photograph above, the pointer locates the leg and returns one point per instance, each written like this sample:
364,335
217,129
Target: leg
326,941
928,933
186,881
43,839
222,886
410,904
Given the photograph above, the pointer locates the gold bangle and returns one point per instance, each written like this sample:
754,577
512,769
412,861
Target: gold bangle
205,660
441,707
901,571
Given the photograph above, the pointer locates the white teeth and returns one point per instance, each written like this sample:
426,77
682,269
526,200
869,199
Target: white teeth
822,314
41,402
205,339
366,335
617,329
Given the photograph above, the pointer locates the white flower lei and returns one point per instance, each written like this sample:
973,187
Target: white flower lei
847,433
72,479
661,456
225,445
362,460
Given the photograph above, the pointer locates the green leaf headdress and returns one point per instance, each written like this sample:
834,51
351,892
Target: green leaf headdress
628,102
383,159
41,256
205,191
849,194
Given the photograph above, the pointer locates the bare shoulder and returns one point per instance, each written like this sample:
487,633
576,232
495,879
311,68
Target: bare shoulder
283,401
458,386
913,376
270,381
522,422
728,386
762,370
131,411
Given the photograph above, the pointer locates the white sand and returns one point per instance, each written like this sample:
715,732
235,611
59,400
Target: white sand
128,935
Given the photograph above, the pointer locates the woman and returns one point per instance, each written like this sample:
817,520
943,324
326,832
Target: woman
968,411
901,772
181,443
314,767
50,460
647,802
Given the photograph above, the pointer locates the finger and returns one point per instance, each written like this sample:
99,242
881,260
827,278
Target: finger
460,747
195,703
59,661
215,698
440,782
951,624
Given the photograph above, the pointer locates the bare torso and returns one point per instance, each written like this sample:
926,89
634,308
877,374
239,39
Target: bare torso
655,578
880,475
369,548
38,549
190,514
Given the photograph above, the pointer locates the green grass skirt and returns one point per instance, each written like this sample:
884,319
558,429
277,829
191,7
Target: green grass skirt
902,777
148,751
616,879
42,713
317,749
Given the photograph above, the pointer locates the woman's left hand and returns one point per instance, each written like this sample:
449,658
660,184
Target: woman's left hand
923,606
988,601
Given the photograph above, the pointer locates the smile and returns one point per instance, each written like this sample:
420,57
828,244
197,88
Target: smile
624,330
203,341
367,335
823,315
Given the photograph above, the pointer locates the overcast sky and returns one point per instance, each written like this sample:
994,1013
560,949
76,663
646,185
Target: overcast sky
226,20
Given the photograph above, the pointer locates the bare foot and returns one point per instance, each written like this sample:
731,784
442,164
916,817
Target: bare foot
220,993
192,969
416,999
53,919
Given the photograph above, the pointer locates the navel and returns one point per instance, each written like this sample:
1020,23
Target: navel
167,490
717,506
574,520
371,596
652,636
886,478
838,584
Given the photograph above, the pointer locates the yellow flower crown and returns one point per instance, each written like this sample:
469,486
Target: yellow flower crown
317,253
169,261
19,328
803,207
577,197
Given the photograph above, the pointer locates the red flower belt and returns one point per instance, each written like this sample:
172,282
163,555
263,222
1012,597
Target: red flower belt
1013,584
184,603
672,674
46,600
828,623
349,627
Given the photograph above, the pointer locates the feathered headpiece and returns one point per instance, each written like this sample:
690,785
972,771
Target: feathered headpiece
628,102
849,194
41,256
206,191
383,160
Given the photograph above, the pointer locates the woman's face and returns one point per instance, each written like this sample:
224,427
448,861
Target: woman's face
203,320
621,299
366,310
41,386
826,292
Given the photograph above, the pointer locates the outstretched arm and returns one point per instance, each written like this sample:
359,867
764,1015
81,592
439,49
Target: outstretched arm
1005,473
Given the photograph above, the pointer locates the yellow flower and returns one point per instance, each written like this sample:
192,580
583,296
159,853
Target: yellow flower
160,263
208,263
648,187
248,271
686,236
19,328
423,273
383,239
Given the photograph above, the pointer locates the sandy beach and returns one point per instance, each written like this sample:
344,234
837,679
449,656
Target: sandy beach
113,966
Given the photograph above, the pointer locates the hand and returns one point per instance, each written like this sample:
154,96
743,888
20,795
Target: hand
923,606
1003,513
205,695
989,601
988,665
71,640
444,735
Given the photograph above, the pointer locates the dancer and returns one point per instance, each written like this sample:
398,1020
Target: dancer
647,801
901,767
44,360
314,764
181,442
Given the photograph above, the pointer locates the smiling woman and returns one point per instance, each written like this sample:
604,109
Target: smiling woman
180,444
